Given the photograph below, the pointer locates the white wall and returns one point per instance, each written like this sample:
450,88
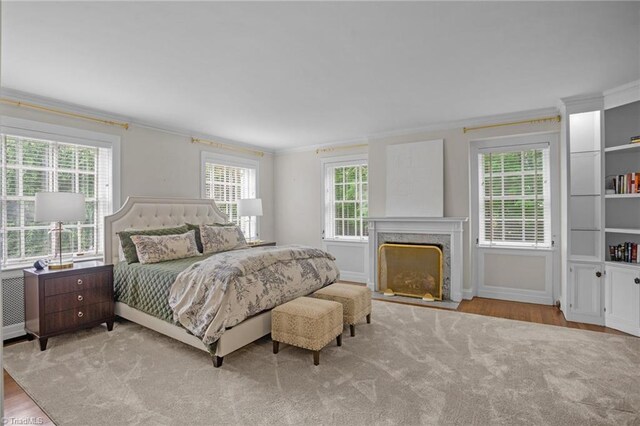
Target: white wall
298,183
161,164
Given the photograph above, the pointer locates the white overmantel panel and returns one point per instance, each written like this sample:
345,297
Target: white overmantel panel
415,179
452,226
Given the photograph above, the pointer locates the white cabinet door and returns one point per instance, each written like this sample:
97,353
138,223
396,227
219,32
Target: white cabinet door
585,293
622,299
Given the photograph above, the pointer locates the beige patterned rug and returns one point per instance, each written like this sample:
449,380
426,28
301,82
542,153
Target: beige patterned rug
413,365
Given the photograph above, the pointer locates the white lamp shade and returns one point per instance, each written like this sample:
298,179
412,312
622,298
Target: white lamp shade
250,207
59,207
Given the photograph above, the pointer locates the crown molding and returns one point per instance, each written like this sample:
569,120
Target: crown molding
445,125
622,95
18,95
315,147
582,103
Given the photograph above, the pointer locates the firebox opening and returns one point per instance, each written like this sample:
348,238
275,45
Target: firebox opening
413,270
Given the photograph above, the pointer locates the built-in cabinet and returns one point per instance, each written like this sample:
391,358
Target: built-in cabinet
622,296
585,293
596,135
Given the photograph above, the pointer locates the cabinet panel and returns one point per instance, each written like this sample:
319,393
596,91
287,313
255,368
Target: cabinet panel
585,293
622,296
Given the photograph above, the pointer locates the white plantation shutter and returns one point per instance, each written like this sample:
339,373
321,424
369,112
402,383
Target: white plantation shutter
515,196
346,200
30,165
227,184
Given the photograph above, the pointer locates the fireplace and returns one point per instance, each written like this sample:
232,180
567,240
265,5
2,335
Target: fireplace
444,233
413,270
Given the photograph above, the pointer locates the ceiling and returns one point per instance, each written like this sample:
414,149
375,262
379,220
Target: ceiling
288,74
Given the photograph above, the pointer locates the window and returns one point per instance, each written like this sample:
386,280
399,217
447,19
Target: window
29,165
346,199
228,180
515,200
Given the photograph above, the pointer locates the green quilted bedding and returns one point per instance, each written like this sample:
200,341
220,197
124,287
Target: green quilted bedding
146,287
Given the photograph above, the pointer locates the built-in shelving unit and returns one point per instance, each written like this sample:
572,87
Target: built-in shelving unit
585,188
622,211
596,150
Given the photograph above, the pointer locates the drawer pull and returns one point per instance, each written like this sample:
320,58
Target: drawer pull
79,282
80,314
80,298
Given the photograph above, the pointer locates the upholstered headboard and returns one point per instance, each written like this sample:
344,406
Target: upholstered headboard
149,212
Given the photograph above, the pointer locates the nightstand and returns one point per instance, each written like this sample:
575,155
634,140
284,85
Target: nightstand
262,244
65,300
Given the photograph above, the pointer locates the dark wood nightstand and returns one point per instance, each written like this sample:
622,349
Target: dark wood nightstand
262,244
60,301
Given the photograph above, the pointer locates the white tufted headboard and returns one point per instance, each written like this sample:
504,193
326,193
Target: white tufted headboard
149,212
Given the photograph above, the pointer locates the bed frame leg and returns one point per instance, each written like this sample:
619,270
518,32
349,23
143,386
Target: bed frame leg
217,361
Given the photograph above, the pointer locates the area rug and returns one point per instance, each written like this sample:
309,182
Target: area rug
412,365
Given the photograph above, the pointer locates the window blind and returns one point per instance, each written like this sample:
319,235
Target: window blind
228,184
515,201
28,166
346,201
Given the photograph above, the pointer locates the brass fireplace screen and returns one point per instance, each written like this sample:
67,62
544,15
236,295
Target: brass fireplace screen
413,270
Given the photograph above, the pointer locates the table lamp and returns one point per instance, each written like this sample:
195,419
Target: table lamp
59,207
249,207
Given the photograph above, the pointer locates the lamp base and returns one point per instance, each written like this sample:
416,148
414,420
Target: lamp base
65,264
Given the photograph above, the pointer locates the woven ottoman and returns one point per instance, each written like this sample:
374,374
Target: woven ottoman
307,323
355,300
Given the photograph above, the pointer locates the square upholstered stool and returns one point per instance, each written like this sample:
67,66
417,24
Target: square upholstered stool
355,300
307,323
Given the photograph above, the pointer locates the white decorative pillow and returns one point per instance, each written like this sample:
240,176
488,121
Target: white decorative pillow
158,248
221,238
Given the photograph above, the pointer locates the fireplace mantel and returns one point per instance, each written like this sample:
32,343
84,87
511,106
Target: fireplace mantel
452,226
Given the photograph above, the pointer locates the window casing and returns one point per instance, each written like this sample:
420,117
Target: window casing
515,196
227,180
31,164
346,201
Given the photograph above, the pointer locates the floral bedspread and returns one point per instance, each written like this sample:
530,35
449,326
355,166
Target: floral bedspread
227,288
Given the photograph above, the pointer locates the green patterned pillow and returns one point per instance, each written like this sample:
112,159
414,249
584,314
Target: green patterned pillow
129,249
194,227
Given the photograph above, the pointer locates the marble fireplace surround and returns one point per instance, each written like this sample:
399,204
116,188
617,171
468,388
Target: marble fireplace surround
446,231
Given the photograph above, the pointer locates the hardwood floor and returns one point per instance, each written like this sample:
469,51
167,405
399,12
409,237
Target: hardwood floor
18,405
529,312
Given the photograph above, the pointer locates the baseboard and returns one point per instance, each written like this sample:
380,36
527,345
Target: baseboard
468,294
353,276
14,330
622,326
584,318
517,297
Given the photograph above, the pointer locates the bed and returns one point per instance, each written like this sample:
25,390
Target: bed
140,289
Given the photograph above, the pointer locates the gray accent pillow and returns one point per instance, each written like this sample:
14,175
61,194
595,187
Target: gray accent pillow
196,228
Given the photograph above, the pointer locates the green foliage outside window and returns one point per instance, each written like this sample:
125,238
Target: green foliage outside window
350,201
29,166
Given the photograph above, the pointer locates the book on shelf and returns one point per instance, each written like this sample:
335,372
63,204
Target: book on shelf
635,139
625,252
628,183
